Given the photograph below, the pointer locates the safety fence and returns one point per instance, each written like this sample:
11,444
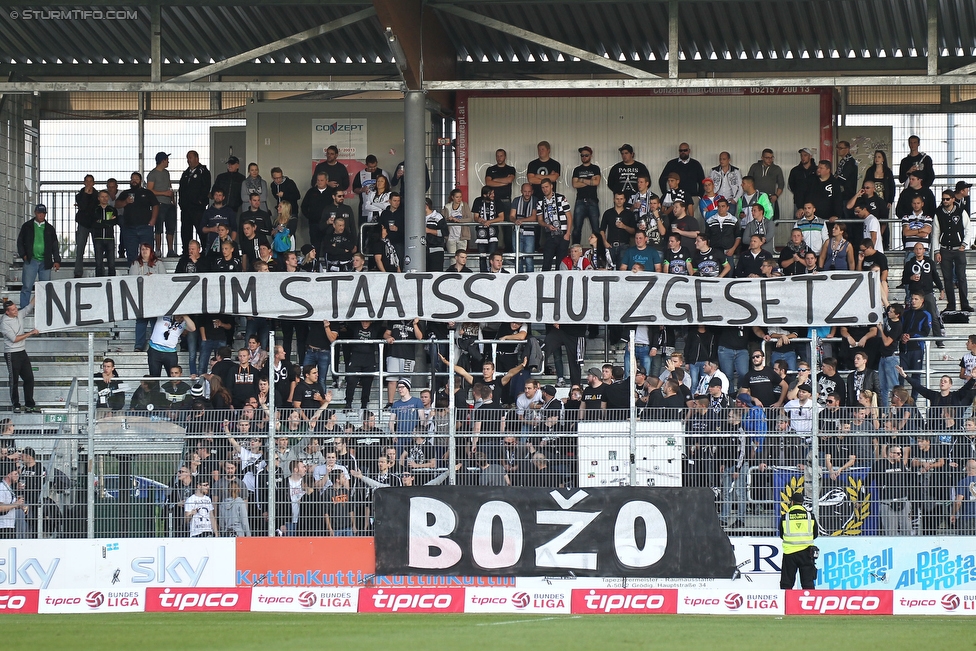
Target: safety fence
186,470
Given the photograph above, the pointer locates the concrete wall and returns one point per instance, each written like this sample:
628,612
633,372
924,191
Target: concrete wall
280,134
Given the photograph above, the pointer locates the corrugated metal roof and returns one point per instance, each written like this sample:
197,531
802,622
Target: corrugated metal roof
720,36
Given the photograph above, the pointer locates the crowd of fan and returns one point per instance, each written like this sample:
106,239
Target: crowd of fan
738,412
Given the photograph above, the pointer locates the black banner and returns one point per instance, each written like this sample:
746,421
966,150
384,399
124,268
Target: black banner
619,532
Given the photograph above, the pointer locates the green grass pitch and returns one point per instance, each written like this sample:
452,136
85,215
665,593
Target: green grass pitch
264,631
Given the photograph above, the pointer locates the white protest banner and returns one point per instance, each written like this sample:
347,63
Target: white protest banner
566,297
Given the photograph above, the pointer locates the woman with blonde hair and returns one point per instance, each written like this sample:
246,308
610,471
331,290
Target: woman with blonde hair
283,233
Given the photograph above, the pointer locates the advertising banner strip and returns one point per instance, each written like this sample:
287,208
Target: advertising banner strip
197,600
18,602
835,298
92,601
838,602
747,600
619,532
304,600
411,600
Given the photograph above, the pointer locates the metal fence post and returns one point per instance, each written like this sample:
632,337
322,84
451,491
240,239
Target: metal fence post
272,448
451,406
632,358
90,492
814,464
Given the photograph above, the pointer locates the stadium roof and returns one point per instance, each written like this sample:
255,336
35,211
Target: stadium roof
341,47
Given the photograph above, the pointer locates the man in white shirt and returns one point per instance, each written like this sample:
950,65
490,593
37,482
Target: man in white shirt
9,502
528,406
801,411
199,512
711,370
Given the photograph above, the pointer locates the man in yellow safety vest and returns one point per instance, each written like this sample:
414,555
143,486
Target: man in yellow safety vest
798,528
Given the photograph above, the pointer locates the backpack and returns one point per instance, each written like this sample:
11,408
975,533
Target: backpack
282,241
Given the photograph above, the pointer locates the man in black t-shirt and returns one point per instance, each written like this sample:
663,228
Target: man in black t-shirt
245,384
623,175
586,180
617,227
500,177
764,384
870,259
542,167
594,398
890,336
361,360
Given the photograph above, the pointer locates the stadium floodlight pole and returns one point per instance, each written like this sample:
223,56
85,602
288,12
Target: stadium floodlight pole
272,448
814,464
452,423
90,492
632,358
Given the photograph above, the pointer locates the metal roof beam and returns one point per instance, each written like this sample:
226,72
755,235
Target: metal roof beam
673,39
964,70
200,86
932,45
155,44
274,46
544,41
687,83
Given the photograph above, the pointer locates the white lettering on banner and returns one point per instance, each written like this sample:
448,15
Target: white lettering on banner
837,298
296,600
91,601
30,572
197,600
398,601
12,602
932,602
156,570
625,534
481,545
424,537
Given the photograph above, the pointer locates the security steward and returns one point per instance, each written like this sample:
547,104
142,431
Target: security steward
798,528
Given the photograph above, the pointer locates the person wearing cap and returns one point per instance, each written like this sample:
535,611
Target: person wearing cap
689,170
711,375
141,214
916,161
404,413
801,179
193,198
708,203
798,529
108,387
801,409
594,399
230,182
15,353
39,248
586,180
962,199
158,182
623,176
